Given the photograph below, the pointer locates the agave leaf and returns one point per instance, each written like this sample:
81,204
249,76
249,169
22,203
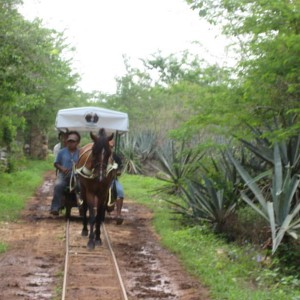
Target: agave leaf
296,225
295,212
292,188
254,206
293,234
249,182
278,171
166,166
176,204
283,200
272,221
216,201
201,204
286,227
197,203
291,151
220,197
261,151
262,175
289,189
284,152
212,192
292,148
282,231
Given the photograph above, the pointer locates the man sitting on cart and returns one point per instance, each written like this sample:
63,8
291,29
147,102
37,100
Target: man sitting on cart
64,162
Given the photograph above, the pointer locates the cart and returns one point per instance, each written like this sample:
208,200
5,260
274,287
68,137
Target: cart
89,119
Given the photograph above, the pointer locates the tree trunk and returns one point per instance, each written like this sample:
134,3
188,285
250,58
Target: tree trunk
38,144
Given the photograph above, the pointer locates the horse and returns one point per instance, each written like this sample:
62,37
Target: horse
95,170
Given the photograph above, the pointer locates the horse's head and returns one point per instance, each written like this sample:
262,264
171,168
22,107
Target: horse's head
101,152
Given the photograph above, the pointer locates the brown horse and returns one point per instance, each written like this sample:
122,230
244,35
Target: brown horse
95,170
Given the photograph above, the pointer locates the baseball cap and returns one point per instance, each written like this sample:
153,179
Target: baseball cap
72,137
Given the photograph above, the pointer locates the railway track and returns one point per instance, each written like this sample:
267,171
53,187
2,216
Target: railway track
90,274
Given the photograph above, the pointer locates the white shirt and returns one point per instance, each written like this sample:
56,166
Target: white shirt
56,150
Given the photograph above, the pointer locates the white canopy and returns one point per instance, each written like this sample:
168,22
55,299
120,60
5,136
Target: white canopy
91,118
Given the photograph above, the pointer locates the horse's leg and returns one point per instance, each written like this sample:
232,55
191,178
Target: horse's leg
91,242
84,231
98,240
99,220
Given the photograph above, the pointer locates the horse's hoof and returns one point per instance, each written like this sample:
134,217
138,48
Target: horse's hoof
84,232
119,221
98,243
91,245
54,212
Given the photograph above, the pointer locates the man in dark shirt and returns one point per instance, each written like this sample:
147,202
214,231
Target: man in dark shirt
64,162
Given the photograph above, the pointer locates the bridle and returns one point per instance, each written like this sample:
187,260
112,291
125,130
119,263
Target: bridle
100,163
100,166
96,160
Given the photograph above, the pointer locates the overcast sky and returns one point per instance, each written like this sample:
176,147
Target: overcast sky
103,30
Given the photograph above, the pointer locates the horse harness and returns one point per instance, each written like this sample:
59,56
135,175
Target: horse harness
85,172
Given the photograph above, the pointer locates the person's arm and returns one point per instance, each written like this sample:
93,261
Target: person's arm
61,169
58,163
118,160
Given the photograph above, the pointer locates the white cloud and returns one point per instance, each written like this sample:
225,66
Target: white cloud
102,31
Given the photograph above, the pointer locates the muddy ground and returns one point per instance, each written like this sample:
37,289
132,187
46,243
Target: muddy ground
32,268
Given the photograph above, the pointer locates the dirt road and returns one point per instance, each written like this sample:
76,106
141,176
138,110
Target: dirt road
33,266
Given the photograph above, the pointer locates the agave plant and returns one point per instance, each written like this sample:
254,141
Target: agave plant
278,207
176,165
213,197
131,160
289,149
146,144
208,203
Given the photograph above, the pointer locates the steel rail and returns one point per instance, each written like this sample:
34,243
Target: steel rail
111,252
66,261
124,294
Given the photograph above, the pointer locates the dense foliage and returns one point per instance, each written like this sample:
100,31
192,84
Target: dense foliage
268,72
35,79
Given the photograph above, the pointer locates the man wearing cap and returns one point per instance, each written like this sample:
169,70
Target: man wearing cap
64,162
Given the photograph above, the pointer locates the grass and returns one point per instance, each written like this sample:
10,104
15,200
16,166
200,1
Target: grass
18,186
3,247
230,272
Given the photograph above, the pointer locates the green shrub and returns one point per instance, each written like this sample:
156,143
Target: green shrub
3,247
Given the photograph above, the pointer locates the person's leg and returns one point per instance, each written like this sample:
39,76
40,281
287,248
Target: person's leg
119,202
58,191
119,205
112,198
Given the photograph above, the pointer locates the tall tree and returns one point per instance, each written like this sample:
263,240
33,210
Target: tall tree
267,87
35,78
146,94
